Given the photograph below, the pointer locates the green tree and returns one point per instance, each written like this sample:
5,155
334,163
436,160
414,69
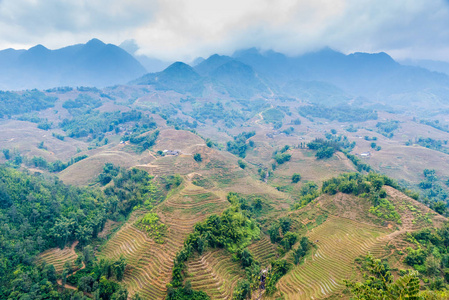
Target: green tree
49,272
67,269
86,283
380,284
285,223
257,204
273,231
296,177
89,255
289,240
241,163
83,234
6,153
197,157
120,294
440,207
246,258
119,268
242,291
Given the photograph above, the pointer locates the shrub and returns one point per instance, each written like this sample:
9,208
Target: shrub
197,157
296,177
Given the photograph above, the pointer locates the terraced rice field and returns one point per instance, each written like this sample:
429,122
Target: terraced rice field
149,263
339,241
57,257
263,250
214,273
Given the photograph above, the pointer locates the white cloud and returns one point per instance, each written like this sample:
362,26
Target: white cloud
184,29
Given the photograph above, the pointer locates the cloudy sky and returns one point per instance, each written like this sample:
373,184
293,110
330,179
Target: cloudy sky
185,29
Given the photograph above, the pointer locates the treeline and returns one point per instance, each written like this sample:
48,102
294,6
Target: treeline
232,230
57,166
82,103
433,144
280,233
435,124
429,259
342,113
359,165
51,215
12,103
308,192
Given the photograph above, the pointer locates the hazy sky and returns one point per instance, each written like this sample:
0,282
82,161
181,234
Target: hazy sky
185,29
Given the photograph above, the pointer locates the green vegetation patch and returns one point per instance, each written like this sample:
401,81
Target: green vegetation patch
379,283
13,103
239,146
387,128
343,113
153,227
433,144
95,124
273,115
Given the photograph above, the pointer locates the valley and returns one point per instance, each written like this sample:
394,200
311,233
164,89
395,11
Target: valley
212,182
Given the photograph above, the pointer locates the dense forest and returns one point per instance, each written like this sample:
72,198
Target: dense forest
38,212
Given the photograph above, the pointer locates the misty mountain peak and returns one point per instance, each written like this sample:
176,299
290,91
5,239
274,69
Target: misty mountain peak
381,57
180,69
95,43
38,49
212,63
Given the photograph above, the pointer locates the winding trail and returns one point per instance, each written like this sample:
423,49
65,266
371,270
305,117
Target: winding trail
69,286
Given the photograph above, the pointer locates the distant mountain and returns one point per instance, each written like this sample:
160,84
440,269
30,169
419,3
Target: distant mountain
221,74
326,77
374,76
92,64
213,62
238,79
432,65
178,77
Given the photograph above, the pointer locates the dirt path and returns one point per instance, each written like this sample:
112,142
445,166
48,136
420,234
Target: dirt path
68,286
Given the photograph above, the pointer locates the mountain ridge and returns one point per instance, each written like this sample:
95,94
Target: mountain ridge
94,64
